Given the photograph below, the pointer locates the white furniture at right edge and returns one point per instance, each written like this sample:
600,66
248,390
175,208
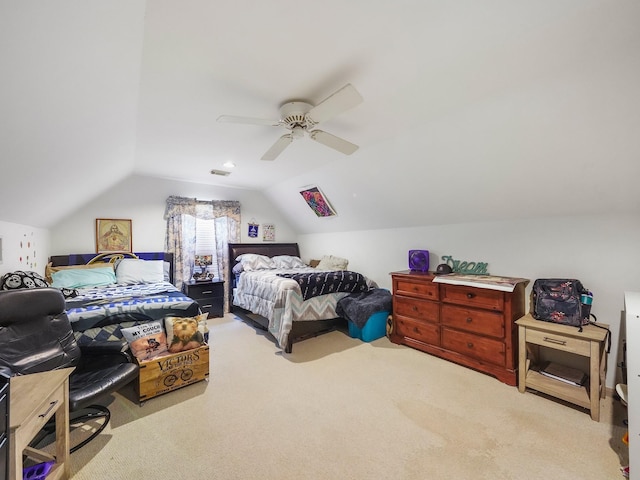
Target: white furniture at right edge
632,324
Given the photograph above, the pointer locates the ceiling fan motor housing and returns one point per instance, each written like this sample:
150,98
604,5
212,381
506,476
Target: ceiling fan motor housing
294,114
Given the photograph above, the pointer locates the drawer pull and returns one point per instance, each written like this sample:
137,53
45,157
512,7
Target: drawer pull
51,405
414,308
555,340
416,330
469,345
206,306
471,295
207,292
469,319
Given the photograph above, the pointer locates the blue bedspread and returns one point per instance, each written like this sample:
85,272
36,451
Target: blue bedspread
100,307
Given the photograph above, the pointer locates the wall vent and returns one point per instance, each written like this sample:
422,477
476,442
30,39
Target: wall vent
222,173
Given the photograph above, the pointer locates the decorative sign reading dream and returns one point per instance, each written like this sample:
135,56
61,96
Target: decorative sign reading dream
469,268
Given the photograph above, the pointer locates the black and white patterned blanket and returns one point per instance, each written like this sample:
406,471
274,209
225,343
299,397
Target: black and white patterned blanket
322,283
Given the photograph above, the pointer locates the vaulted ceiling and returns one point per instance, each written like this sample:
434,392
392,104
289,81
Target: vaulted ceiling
472,111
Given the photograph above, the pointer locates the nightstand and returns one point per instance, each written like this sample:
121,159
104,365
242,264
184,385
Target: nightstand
35,398
590,343
209,295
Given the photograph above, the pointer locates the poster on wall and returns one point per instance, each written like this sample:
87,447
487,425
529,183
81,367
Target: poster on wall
253,230
269,232
317,202
113,235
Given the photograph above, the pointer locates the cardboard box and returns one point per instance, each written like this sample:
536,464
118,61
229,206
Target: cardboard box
170,372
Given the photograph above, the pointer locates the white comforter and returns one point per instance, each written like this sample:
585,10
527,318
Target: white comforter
279,300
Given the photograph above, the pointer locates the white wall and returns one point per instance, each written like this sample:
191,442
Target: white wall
23,248
142,199
601,251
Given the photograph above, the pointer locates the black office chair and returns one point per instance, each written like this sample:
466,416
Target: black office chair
36,336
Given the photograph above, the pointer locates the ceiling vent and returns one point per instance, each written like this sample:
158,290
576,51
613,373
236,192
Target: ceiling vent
222,173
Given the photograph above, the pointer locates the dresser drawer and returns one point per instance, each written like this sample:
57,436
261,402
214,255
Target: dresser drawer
473,320
48,407
425,332
4,408
422,289
559,342
204,290
473,297
416,309
4,456
470,345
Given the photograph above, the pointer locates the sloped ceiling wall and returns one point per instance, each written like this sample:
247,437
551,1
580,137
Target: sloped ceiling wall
473,111
68,103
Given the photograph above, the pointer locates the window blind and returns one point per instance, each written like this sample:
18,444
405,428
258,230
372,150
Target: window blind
206,244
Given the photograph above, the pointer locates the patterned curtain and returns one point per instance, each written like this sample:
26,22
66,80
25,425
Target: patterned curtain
180,239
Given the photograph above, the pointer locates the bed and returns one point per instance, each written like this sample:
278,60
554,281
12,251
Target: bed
274,300
143,292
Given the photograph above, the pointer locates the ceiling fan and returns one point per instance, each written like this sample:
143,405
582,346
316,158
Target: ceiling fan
301,118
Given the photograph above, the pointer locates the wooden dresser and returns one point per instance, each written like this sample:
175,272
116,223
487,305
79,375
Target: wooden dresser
471,326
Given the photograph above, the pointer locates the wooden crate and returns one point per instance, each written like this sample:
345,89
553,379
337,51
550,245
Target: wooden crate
170,372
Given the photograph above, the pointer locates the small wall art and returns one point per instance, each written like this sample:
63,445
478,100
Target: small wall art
317,202
269,232
253,229
113,235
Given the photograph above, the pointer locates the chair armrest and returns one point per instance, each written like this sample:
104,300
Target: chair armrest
104,353
111,347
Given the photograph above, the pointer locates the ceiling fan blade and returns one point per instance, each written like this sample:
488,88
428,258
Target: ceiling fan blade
332,141
341,101
248,120
277,148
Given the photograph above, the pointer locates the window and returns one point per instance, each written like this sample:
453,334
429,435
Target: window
206,248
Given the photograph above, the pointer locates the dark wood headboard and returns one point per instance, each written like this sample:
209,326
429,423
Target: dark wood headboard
84,258
268,249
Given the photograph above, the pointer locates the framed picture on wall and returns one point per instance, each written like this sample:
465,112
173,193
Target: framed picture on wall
317,202
269,232
113,235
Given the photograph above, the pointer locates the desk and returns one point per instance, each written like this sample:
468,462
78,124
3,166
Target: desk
34,400
589,342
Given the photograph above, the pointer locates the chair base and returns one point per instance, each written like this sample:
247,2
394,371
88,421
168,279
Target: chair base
76,421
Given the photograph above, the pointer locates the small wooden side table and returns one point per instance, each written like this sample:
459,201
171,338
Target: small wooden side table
34,400
590,342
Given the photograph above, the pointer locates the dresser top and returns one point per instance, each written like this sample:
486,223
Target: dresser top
416,273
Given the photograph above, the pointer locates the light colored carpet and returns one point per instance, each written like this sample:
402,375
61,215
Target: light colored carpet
338,408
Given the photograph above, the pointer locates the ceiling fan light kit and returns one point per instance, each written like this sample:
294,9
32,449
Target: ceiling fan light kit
301,117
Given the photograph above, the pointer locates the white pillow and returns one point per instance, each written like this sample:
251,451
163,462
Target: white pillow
253,261
287,261
132,270
329,262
